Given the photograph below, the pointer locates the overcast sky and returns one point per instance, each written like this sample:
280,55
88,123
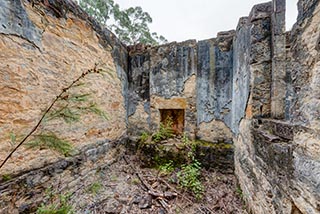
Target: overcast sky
180,20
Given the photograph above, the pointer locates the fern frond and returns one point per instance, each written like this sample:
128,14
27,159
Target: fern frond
55,113
109,72
79,97
50,141
66,113
70,116
95,109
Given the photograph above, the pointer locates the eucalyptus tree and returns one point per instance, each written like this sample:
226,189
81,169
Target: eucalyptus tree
131,25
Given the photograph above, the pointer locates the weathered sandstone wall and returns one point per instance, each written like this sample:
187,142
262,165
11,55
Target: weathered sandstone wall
43,49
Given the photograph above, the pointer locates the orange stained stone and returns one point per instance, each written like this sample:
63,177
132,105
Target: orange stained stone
173,103
249,111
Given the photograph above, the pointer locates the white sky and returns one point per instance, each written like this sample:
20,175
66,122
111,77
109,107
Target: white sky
180,20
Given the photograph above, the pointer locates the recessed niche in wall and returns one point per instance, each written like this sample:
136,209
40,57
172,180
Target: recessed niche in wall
177,118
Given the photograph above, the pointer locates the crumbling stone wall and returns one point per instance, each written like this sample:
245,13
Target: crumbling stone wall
43,49
262,84
277,161
304,111
172,82
194,76
256,87
214,87
161,78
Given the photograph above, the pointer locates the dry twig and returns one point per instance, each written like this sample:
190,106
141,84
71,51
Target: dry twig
151,191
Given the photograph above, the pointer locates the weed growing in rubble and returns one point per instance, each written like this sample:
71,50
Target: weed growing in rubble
165,131
144,137
61,206
95,188
166,168
189,178
6,177
239,192
190,172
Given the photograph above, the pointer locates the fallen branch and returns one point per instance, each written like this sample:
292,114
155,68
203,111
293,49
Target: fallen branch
163,195
181,195
150,190
164,204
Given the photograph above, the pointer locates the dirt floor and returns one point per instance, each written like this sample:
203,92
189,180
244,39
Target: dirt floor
126,187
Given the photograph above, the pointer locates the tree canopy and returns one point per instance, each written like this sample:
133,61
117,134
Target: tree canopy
130,25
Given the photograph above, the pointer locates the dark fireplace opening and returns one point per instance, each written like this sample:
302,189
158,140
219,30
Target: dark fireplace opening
176,116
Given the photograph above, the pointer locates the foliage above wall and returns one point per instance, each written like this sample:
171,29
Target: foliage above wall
130,25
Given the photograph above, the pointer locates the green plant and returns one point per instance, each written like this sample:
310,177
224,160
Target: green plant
50,141
71,106
6,177
135,181
67,114
13,138
239,192
165,131
95,187
60,207
157,137
144,137
166,168
96,110
190,146
189,178
49,193
185,139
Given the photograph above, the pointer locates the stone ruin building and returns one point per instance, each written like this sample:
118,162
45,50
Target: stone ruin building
256,88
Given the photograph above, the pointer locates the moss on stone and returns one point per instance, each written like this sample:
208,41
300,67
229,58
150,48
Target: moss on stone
218,145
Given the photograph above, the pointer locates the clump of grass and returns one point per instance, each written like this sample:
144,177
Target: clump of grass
60,207
239,192
51,141
189,178
135,181
95,188
6,177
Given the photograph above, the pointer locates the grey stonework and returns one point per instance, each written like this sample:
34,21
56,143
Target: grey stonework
214,79
255,89
14,20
